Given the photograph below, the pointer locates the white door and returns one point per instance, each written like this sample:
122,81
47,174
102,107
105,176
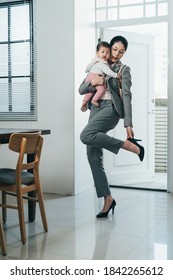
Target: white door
125,168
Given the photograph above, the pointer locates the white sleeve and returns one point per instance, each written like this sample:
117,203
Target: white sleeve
88,68
106,70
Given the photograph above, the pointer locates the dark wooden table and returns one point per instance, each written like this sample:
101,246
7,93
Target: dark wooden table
5,134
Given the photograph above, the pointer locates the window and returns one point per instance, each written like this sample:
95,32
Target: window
109,10
17,63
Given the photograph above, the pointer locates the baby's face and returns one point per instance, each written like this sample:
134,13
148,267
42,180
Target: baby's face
104,53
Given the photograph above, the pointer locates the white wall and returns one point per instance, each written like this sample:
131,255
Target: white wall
55,28
65,44
84,52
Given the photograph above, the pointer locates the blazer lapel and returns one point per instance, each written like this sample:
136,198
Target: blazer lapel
115,67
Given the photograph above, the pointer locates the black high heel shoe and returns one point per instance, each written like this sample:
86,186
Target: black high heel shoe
105,214
141,148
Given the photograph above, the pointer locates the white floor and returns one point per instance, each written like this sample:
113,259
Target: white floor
159,182
141,228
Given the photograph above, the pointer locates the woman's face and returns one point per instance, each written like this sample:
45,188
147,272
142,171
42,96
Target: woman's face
117,51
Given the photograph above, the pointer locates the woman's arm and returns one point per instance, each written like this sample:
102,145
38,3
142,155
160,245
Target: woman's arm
86,87
123,104
127,96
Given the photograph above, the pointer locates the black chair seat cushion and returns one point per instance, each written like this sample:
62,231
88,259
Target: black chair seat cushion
8,177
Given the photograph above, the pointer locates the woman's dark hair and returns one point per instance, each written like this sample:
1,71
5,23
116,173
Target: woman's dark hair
121,39
102,44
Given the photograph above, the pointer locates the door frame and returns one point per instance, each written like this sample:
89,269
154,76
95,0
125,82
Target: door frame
169,20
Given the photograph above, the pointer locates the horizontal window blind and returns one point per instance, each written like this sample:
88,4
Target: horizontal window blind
161,136
17,61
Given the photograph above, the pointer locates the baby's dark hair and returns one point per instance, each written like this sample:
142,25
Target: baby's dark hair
121,39
102,44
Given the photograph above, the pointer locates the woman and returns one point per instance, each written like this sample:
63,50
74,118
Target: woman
106,117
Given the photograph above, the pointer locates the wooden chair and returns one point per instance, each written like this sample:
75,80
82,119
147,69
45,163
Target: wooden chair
2,239
24,178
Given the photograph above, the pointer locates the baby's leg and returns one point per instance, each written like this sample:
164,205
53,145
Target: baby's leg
87,96
99,93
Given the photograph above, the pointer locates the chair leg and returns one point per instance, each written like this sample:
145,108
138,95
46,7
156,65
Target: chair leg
4,210
21,217
2,239
42,209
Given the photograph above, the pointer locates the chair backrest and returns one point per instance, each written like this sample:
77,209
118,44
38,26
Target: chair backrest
26,144
31,139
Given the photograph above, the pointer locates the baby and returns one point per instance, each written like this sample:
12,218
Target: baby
99,66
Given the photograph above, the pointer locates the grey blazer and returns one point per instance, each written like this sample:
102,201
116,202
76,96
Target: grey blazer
122,105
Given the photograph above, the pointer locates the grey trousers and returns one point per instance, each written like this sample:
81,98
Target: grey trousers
94,135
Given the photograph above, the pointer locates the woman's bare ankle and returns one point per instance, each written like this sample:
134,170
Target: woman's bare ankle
107,202
128,146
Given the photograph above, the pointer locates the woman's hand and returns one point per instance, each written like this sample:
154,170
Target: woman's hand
97,81
130,132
